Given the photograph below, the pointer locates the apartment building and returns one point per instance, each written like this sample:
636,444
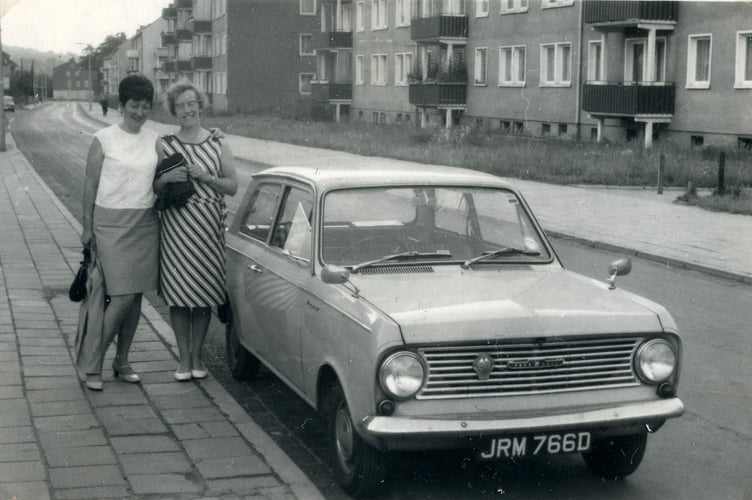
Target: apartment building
247,55
589,70
146,55
115,68
71,81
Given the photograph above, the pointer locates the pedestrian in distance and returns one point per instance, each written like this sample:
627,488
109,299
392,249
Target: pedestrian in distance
192,243
104,102
121,226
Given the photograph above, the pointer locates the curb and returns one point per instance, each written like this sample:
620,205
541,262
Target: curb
300,485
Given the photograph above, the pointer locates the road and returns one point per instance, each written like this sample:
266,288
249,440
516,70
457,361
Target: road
704,454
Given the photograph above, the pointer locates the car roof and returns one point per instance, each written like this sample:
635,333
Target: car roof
385,172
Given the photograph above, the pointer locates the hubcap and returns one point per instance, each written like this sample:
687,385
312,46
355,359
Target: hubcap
344,434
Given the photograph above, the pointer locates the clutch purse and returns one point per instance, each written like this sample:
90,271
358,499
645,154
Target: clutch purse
174,194
77,290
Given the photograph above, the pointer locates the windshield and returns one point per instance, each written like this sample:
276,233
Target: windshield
431,224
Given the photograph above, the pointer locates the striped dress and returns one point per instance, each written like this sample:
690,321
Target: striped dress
192,243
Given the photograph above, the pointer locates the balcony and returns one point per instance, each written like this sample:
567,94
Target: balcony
332,40
184,35
438,94
624,13
331,91
169,67
160,52
131,54
169,38
170,13
438,28
628,99
200,25
201,62
184,4
185,66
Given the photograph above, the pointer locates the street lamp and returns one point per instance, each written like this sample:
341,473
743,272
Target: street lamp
90,50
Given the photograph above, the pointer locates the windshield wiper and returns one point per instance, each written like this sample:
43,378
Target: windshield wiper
410,254
498,252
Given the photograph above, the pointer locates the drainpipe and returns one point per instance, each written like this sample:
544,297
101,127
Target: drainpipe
578,94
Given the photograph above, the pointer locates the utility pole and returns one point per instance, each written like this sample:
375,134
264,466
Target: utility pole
3,146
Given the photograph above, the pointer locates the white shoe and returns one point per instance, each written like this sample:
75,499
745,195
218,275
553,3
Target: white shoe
183,376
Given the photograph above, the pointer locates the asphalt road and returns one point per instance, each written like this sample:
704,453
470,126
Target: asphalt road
704,454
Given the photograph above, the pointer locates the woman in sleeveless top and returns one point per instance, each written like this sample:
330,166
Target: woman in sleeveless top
192,244
122,227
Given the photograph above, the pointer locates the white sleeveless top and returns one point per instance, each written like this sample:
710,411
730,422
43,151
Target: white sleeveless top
130,161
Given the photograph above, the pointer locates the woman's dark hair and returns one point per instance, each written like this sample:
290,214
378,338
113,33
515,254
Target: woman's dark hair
136,87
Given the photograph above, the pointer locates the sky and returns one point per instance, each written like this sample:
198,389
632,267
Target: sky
60,25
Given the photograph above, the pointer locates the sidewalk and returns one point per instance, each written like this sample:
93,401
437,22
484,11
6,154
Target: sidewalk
157,439
629,221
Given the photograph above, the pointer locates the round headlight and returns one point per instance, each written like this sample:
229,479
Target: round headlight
656,361
402,375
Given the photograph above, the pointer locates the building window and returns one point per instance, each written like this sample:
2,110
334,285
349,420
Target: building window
562,129
378,69
744,60
307,7
744,143
595,61
359,70
403,64
305,45
360,9
480,66
513,6
378,15
518,127
556,65
304,83
697,140
481,8
512,66
403,13
546,129
698,62
550,4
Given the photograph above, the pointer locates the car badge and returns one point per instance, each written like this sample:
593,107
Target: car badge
483,366
530,364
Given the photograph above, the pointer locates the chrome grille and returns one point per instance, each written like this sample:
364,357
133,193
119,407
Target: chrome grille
529,368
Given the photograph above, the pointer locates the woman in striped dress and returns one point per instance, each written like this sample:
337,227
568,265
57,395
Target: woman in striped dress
192,253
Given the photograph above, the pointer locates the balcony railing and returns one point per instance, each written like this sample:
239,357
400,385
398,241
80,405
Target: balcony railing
629,11
131,54
629,99
184,4
184,35
169,38
202,62
170,13
160,52
437,27
200,25
331,91
332,40
438,94
169,67
185,65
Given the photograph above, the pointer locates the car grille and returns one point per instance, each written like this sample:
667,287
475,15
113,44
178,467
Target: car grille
528,368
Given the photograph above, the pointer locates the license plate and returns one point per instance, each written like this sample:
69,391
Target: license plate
534,444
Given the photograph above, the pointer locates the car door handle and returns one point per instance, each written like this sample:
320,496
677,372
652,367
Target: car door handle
255,268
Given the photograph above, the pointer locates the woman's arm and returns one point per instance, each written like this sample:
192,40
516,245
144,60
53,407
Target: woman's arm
227,182
94,161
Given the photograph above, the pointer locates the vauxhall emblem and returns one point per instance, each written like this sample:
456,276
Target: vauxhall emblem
483,366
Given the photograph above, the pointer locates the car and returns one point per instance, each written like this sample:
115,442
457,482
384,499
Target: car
424,308
8,103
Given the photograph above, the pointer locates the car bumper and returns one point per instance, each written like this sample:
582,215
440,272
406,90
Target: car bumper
614,416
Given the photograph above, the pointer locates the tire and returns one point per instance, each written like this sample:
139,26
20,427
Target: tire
616,457
242,364
360,467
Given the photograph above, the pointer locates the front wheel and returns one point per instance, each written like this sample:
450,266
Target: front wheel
242,364
361,467
616,457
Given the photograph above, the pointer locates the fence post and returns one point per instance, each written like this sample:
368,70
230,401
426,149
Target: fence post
722,174
661,171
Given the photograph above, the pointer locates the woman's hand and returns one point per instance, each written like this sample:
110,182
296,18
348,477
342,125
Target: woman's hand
179,174
198,173
86,237
216,133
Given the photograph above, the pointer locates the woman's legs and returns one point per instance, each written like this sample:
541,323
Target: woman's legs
116,314
180,317
128,330
199,326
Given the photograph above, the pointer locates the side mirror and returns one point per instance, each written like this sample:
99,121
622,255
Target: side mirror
334,275
620,267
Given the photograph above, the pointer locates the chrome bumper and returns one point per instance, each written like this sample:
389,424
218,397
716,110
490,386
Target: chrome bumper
651,411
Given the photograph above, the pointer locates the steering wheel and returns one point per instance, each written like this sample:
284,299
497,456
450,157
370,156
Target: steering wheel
371,247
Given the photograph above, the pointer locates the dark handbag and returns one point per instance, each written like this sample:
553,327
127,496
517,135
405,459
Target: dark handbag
77,290
174,194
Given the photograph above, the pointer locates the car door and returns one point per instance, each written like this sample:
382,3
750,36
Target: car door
244,273
283,274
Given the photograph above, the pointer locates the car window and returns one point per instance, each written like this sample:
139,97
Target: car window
261,210
292,232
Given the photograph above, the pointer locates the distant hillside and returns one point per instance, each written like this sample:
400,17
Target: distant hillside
43,61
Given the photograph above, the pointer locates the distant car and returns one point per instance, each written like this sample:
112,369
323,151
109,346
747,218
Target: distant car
424,308
8,103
